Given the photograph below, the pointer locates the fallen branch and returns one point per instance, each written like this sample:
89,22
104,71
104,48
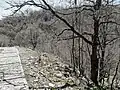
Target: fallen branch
9,82
116,70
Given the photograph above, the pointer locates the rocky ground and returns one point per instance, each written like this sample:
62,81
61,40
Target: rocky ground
47,71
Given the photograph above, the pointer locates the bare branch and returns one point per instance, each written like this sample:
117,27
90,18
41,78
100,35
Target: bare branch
82,8
110,14
71,27
68,38
71,37
110,41
108,22
64,13
87,33
3,79
19,6
9,82
63,32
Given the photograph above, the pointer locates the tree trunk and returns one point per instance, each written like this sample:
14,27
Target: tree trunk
102,73
94,59
94,65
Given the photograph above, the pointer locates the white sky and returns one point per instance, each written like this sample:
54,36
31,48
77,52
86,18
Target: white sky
4,5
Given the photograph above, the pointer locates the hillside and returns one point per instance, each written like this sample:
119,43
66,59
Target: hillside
73,46
47,71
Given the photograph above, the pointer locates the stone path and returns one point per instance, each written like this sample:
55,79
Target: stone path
11,72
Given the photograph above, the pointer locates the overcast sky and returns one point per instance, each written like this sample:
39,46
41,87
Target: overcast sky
4,5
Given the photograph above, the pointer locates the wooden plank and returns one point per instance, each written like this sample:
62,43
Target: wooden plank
11,72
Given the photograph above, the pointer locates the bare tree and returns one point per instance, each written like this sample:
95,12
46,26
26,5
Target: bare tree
33,36
96,10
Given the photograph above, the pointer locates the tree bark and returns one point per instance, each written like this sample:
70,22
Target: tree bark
102,72
94,59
